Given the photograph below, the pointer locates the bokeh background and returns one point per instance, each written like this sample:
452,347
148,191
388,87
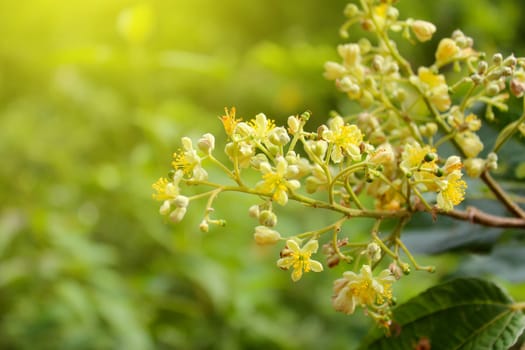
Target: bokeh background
94,97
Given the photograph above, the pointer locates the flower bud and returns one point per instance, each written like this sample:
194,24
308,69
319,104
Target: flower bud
482,67
293,124
333,70
364,45
492,161
206,143
423,30
318,147
497,58
278,136
384,154
474,167
377,63
517,87
267,218
266,236
165,207
181,201
476,78
203,226
351,54
469,143
446,50
510,61
253,211
373,250
351,10
493,89
177,215
257,159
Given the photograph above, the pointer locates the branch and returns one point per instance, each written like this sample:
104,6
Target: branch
477,216
502,195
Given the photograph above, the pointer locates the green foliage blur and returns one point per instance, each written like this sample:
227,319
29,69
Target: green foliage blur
94,97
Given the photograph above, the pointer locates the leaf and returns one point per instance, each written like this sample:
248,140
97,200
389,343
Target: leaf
461,314
501,262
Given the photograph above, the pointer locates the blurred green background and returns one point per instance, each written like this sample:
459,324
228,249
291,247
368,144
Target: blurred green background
94,97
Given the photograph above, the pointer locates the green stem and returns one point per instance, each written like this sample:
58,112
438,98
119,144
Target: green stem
411,258
352,194
511,132
233,176
314,203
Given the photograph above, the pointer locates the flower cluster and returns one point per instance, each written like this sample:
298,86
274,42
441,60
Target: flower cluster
389,152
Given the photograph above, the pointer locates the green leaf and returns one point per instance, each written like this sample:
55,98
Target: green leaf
461,314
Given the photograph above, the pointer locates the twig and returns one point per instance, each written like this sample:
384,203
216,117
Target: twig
477,216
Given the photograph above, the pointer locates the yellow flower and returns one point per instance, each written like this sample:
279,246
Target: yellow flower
435,88
452,191
165,190
189,162
299,258
229,121
173,203
262,126
415,157
345,138
277,182
362,289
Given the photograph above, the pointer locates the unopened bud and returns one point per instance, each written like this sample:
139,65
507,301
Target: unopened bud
364,45
278,136
377,63
423,30
476,79
351,53
492,161
482,67
474,167
333,70
253,211
446,50
374,251
266,236
517,87
497,58
177,215
268,218
204,226
430,157
293,124
206,143
181,201
493,89
510,61
351,10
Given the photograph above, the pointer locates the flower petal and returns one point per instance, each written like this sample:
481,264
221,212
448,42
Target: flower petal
316,266
311,246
